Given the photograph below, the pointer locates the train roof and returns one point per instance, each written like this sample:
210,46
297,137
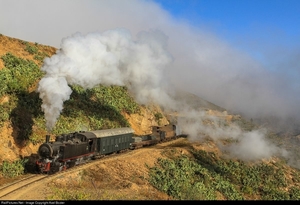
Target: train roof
112,132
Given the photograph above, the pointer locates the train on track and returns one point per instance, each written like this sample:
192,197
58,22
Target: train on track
72,149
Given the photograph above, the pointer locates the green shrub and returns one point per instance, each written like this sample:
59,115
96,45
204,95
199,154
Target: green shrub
18,74
227,188
40,56
181,178
31,49
158,116
4,116
295,193
67,194
188,178
13,169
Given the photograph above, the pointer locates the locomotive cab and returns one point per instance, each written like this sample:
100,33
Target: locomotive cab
66,151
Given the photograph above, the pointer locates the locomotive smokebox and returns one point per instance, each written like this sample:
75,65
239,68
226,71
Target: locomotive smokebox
47,138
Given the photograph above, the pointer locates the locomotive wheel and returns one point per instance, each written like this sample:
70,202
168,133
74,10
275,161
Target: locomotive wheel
71,164
54,168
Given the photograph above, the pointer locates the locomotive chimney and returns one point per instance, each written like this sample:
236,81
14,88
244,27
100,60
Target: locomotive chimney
47,138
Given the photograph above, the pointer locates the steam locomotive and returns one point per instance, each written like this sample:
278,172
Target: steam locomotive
72,149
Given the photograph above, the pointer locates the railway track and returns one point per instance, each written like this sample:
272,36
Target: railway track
19,188
18,185
14,190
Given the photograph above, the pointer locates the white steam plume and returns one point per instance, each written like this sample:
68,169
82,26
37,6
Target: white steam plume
108,58
246,145
113,57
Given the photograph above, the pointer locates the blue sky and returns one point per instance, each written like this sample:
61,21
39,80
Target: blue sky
251,25
240,17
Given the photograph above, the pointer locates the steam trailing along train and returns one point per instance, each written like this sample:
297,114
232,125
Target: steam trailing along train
75,148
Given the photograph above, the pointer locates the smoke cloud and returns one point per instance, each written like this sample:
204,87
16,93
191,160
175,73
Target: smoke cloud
138,44
245,145
108,58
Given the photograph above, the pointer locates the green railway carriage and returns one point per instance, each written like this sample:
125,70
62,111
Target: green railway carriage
76,148
113,140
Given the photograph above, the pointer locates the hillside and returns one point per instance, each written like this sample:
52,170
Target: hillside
182,169
13,146
10,130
